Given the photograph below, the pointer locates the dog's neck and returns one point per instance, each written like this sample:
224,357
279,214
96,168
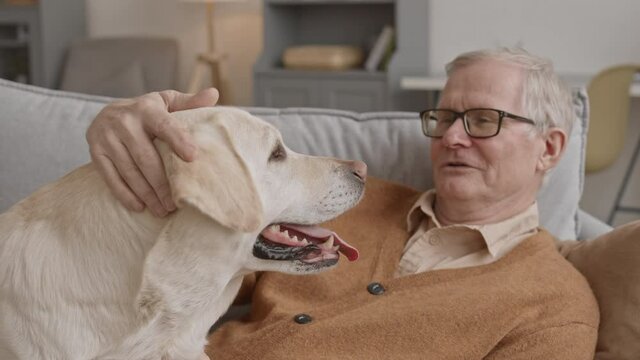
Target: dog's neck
189,232
192,275
213,255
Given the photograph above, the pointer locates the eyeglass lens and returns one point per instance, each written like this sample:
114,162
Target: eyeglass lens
478,122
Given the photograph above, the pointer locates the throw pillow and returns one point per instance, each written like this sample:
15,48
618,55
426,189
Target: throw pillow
610,264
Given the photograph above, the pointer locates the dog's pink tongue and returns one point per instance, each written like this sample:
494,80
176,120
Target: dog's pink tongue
317,232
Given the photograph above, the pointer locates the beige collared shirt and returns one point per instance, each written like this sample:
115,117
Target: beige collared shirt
433,246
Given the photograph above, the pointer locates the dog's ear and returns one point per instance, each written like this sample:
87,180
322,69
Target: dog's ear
218,182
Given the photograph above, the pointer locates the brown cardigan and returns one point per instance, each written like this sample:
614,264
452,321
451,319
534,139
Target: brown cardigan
531,304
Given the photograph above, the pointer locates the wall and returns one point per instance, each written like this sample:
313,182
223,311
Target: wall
238,30
580,36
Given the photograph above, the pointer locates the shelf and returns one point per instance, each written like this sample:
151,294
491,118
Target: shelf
343,74
330,2
34,38
11,44
26,6
289,23
4,8
12,14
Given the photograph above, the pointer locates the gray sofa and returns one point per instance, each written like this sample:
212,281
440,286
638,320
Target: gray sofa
42,137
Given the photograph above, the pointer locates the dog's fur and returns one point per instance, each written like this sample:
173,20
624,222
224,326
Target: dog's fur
81,277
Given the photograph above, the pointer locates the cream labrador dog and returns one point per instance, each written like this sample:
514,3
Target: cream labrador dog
83,278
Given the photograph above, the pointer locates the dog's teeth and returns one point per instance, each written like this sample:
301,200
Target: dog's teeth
295,239
286,233
304,242
335,248
274,228
328,244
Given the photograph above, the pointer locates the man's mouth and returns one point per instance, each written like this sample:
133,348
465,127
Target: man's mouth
456,164
305,244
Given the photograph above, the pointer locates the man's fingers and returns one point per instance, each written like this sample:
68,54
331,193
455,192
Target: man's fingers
130,173
167,129
121,144
118,188
171,132
206,97
148,161
176,101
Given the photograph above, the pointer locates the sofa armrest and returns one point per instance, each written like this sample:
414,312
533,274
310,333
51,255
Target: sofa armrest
590,226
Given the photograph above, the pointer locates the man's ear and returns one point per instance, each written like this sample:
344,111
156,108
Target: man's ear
218,182
555,142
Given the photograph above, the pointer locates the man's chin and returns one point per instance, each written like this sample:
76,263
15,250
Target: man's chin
458,189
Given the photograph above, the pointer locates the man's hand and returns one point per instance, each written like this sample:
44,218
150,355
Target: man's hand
120,141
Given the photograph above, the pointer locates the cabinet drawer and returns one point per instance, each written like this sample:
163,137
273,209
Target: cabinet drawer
280,93
359,95
354,95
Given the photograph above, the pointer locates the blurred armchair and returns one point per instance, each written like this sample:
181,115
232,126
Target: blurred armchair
609,104
121,67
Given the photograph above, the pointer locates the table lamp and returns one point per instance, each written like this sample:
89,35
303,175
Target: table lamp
212,57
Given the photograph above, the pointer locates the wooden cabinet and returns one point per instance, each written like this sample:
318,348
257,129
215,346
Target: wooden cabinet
340,22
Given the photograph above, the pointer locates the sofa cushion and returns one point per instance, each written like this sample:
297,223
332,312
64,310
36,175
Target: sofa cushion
610,264
42,137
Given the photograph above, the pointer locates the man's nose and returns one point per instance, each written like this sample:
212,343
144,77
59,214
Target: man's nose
455,134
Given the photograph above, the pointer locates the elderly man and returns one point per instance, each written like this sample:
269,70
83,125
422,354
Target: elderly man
462,271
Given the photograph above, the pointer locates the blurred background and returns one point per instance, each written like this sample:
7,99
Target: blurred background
360,55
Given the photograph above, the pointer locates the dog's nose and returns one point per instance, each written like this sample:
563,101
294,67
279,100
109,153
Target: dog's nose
360,170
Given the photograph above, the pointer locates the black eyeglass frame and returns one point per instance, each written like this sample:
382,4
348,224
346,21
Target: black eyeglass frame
462,115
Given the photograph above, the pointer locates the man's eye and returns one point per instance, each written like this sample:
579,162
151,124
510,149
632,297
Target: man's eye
484,120
278,154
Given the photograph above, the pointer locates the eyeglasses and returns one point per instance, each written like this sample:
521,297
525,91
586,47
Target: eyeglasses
478,123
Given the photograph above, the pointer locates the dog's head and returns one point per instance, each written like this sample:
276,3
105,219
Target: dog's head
246,179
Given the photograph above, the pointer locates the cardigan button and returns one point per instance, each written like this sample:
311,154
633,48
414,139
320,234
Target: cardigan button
302,319
375,288
434,240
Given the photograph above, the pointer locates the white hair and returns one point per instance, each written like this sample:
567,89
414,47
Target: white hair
546,99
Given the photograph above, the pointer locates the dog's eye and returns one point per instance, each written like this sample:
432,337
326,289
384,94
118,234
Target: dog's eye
278,153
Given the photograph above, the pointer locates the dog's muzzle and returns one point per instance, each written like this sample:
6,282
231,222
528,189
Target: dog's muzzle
307,244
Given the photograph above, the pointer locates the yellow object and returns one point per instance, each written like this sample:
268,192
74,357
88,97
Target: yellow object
609,103
322,57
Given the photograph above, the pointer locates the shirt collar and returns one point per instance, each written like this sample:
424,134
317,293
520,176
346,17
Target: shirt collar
423,206
494,235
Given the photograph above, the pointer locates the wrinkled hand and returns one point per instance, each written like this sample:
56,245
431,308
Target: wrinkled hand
120,142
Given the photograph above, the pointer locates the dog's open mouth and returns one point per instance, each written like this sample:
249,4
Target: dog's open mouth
307,244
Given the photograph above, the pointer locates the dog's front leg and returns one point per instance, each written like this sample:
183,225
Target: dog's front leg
189,281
